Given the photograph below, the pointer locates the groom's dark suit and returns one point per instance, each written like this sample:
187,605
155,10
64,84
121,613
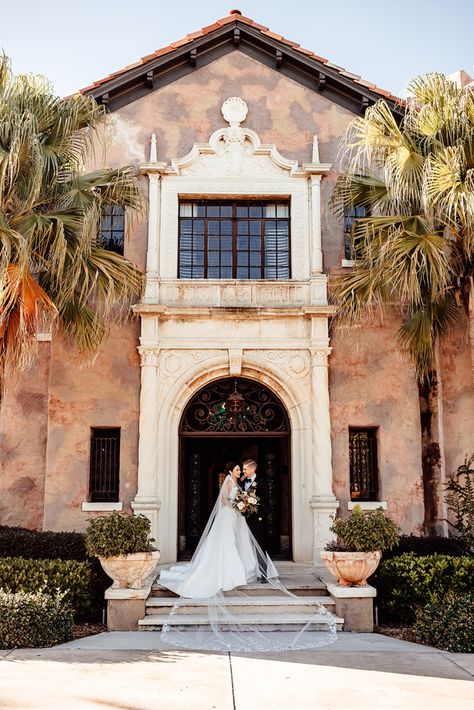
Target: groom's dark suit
255,523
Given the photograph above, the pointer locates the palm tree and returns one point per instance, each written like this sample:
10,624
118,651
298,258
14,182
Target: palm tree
52,264
414,251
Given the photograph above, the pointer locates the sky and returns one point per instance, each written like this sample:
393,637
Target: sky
387,42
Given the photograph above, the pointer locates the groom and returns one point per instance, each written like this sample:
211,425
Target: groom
254,520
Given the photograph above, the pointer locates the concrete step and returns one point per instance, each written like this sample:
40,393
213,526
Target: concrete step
301,586
260,622
242,605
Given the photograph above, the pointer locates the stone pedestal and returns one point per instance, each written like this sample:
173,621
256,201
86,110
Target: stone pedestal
126,606
354,604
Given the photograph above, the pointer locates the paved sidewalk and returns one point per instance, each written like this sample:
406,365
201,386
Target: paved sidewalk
134,671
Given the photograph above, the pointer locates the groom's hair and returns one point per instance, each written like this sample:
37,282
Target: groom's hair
251,463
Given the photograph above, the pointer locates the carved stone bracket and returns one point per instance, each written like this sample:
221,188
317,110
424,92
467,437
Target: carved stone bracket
235,361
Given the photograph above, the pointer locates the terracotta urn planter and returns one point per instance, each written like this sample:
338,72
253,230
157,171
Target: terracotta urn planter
351,568
130,571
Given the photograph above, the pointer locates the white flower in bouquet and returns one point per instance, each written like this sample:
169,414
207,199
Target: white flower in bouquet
240,505
252,500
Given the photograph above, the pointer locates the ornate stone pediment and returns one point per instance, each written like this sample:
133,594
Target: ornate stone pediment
236,151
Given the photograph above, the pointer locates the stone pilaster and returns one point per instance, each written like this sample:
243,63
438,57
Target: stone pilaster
323,502
146,501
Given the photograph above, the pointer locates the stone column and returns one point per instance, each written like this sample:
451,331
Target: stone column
323,502
316,243
153,169
146,501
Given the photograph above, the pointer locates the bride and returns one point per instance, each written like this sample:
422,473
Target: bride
225,559
226,556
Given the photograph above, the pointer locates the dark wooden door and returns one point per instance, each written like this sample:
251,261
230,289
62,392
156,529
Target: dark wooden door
203,461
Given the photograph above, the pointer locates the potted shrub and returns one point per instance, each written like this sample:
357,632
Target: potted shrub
122,543
361,539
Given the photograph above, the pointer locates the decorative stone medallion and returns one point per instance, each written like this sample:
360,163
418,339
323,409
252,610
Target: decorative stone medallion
234,110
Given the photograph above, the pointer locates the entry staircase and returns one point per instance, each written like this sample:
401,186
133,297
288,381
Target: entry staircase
262,607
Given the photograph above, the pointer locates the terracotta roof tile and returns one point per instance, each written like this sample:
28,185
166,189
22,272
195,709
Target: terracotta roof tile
195,35
229,18
163,50
273,35
368,84
262,28
210,28
306,51
288,41
235,17
180,42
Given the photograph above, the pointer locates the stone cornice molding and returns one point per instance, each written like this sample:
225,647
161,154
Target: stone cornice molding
163,311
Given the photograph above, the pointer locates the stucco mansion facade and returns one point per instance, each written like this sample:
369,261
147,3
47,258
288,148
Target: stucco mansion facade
232,352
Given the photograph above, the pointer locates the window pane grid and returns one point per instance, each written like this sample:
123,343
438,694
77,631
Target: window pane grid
363,464
112,228
224,239
350,216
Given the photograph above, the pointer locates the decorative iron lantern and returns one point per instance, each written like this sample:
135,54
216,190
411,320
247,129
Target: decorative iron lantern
234,404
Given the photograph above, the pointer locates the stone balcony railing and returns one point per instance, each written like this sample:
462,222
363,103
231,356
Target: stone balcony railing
209,293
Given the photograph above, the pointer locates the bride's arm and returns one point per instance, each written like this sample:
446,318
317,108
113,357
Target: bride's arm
225,492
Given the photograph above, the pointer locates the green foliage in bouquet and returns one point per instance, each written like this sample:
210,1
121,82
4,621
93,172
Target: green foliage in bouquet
33,619
366,531
118,534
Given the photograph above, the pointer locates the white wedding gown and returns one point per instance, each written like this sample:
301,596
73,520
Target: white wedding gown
225,558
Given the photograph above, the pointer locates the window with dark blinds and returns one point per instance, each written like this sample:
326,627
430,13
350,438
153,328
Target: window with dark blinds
350,217
234,240
363,464
105,465
112,228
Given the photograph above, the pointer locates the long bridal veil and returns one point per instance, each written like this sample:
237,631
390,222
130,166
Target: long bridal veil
217,608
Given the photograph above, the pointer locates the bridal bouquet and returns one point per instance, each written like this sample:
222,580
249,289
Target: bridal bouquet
247,502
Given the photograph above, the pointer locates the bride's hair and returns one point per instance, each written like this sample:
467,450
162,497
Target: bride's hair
230,465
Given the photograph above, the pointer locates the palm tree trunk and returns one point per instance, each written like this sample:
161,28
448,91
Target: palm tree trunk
432,453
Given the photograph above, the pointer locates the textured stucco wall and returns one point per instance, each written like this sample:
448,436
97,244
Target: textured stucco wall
372,385
23,440
458,397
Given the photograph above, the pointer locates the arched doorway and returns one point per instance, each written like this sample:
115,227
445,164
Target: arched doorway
233,419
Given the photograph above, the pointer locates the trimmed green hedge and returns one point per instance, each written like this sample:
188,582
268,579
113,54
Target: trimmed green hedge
33,620
71,577
448,623
39,545
424,546
407,583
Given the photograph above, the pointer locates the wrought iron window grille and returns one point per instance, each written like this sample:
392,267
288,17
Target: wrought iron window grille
104,465
235,406
364,483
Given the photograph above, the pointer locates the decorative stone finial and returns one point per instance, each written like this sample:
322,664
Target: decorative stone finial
315,158
234,110
153,158
234,12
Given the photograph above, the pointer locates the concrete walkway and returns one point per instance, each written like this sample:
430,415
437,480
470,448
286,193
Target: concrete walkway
134,671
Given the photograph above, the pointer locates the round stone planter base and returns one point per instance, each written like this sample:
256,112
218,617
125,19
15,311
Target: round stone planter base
351,569
130,571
